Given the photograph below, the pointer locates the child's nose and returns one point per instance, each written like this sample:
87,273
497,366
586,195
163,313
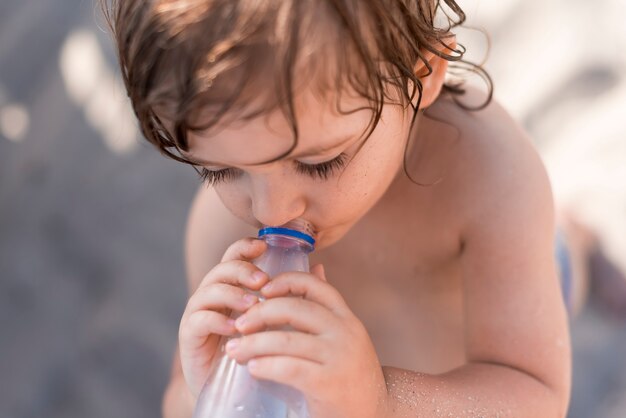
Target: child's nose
276,203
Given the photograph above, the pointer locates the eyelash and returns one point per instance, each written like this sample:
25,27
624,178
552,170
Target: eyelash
317,171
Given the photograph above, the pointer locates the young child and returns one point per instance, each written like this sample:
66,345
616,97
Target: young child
435,288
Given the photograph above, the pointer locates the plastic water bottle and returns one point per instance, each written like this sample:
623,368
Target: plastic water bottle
230,391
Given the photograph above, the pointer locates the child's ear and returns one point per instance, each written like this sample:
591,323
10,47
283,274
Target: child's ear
433,82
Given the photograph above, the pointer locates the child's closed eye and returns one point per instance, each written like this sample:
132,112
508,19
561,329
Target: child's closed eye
317,171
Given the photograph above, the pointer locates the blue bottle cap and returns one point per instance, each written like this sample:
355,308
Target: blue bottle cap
287,231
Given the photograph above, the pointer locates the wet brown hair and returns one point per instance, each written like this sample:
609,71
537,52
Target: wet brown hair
195,64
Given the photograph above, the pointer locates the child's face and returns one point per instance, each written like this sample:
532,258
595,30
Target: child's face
272,194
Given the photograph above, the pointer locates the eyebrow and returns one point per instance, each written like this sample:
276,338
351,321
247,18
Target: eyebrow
313,151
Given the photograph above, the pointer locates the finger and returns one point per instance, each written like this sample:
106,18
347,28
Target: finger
291,371
283,343
236,272
308,286
195,329
318,270
246,249
300,314
219,297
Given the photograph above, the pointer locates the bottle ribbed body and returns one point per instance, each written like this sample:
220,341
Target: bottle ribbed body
230,391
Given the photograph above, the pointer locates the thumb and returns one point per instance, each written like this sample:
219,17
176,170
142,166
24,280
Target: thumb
318,270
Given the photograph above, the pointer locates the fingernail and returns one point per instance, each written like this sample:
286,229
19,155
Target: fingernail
249,299
240,321
232,344
267,287
253,365
257,276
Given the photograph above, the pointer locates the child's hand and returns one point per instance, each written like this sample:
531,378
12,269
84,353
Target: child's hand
328,356
206,316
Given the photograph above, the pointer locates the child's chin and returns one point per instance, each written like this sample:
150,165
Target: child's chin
326,238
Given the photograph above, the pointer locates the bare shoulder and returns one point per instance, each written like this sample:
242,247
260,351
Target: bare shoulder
494,164
211,228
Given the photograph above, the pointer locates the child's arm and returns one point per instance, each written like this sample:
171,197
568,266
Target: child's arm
474,390
516,342
178,401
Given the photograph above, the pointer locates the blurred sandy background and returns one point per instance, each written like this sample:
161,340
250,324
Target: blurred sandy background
92,219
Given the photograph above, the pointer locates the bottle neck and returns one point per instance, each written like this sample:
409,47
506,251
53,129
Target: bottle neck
288,242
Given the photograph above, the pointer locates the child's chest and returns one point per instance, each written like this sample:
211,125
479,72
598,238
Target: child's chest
402,279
